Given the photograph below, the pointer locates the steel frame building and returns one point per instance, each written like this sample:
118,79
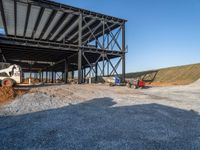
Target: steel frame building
46,36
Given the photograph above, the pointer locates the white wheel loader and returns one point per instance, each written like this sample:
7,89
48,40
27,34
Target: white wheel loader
10,76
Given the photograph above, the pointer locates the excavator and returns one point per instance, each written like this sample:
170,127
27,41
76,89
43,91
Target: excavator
11,76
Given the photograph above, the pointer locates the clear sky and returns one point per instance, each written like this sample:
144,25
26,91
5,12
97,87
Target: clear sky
160,33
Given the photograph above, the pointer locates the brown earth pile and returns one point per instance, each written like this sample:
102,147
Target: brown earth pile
6,93
9,93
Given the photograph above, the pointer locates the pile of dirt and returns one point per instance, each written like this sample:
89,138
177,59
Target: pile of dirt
167,83
9,93
6,93
180,75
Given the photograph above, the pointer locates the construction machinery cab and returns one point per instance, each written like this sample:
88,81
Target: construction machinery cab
11,75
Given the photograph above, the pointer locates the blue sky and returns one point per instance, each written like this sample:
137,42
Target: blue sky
160,33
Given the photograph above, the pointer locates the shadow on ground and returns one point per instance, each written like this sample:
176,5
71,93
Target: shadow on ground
98,124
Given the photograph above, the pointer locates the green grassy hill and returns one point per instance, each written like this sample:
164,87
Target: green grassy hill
178,75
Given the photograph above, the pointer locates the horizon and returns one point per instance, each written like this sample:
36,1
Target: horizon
158,34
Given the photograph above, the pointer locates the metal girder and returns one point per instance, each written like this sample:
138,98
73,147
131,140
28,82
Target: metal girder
53,46
100,69
73,10
61,20
116,42
27,18
3,17
91,66
112,39
112,66
88,33
50,19
62,27
84,27
65,32
97,34
92,34
59,75
38,21
112,26
116,66
68,27
15,10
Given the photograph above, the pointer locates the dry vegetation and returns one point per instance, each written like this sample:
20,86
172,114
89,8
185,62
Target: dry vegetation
180,75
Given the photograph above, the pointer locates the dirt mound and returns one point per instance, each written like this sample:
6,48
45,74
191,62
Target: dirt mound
180,75
6,93
195,84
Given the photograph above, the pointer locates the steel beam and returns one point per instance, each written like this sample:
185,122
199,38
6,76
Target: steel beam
73,10
93,35
67,29
61,20
84,27
15,10
37,22
112,66
3,17
87,35
116,66
50,19
27,18
113,37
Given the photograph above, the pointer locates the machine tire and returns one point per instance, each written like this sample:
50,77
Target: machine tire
7,82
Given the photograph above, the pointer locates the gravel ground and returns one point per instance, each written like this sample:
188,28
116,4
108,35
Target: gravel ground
103,117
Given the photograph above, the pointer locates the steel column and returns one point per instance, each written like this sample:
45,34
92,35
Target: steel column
103,69
66,71
80,50
96,72
42,76
85,74
52,76
73,74
46,76
108,69
124,53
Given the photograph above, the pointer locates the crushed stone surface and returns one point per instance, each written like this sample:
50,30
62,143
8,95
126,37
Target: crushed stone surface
103,117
